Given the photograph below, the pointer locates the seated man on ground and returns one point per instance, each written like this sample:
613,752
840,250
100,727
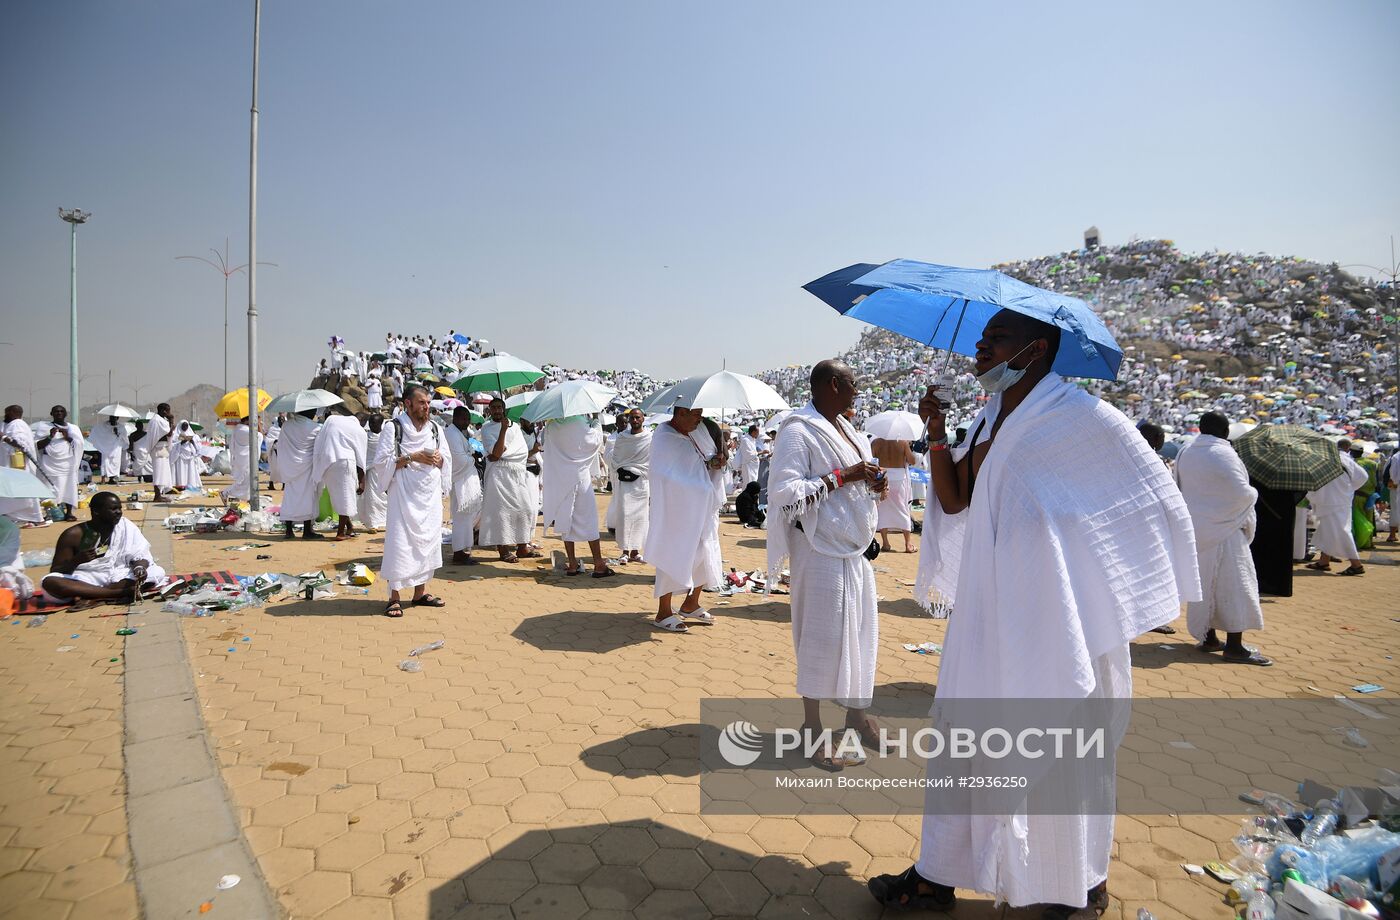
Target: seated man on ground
103,559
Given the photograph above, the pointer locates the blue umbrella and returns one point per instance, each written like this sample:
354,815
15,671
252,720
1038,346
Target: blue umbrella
946,307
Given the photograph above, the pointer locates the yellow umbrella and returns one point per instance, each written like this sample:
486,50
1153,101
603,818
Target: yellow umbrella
445,391
234,406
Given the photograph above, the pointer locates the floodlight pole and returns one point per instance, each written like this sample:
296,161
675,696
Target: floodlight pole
254,436
73,216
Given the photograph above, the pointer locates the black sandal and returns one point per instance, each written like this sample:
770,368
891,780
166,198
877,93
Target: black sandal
1097,901
903,892
429,600
394,610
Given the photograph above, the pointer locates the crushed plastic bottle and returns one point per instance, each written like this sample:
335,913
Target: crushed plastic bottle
1145,914
38,620
430,647
411,665
36,558
1261,906
1322,823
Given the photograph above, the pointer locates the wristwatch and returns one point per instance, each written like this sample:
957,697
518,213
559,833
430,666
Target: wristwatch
941,442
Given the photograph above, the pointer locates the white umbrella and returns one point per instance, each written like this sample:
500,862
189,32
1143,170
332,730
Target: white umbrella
895,425
22,484
119,411
774,423
721,390
573,397
302,400
522,399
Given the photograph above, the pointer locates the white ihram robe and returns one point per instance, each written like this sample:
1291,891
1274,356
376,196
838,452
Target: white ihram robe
509,499
835,621
683,528
571,448
632,499
465,503
23,510
141,456
747,458
185,461
238,458
60,460
112,443
610,445
1216,487
413,535
128,545
296,447
1077,540
340,451
373,504
157,443
1332,506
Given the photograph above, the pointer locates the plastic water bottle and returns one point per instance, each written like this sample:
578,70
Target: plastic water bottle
1145,914
1261,906
1323,822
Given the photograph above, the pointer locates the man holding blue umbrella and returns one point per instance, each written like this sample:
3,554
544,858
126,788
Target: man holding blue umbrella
1076,542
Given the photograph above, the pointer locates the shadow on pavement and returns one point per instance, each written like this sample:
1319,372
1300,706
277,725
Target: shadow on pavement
585,631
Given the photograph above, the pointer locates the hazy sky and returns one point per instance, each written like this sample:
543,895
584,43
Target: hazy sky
648,183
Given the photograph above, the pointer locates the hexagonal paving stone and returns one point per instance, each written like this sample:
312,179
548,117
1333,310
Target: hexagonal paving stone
387,875
780,835
313,831
500,881
675,905
619,888
315,893
454,857
550,902
417,835
680,869
349,851
624,846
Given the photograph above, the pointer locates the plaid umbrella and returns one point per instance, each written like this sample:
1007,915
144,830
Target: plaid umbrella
1289,457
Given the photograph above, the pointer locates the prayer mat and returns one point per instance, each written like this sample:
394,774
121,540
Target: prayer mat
41,604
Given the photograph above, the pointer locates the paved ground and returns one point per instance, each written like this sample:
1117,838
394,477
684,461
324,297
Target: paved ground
542,764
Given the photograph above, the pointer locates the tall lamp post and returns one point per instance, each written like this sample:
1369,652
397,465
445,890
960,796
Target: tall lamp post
223,268
74,217
254,437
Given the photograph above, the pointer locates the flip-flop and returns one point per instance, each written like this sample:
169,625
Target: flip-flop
672,623
390,610
1165,630
700,615
1360,571
1319,567
429,600
1215,647
606,573
1254,658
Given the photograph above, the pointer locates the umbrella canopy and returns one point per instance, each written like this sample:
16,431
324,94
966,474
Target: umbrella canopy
22,484
498,372
516,405
234,405
776,420
721,390
119,411
302,400
573,397
946,307
895,426
1289,457
447,392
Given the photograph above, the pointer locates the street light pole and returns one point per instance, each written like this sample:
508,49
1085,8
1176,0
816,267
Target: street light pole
223,268
73,216
254,437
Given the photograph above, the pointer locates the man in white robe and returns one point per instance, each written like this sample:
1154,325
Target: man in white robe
338,464
301,490
571,450
609,445
631,463
465,501
274,432
239,450
158,436
185,460
1216,487
12,577
1077,541
109,438
105,559
141,467
687,475
823,487
1332,506
750,452
374,394
510,494
373,504
18,439
416,467
60,452
1392,477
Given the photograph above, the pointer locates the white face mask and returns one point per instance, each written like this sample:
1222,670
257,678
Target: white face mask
1003,376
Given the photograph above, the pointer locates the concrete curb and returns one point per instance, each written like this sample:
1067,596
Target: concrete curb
183,828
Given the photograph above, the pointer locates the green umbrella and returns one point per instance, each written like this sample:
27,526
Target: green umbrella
498,372
1289,457
517,404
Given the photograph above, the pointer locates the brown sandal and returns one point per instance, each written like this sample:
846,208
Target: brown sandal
394,610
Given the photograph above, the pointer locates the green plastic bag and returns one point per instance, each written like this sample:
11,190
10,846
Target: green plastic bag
326,512
1362,530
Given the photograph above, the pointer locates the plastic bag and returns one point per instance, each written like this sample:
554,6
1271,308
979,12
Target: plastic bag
1355,855
1362,528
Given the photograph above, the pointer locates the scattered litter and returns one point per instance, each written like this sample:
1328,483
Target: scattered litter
410,665
924,648
66,648
288,766
227,882
74,636
37,620
1183,745
111,660
339,786
1350,736
264,557
1367,688
1193,869
37,557
126,631
206,907
1354,706
247,639
232,648
430,647
353,819
1221,872
469,578
245,546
